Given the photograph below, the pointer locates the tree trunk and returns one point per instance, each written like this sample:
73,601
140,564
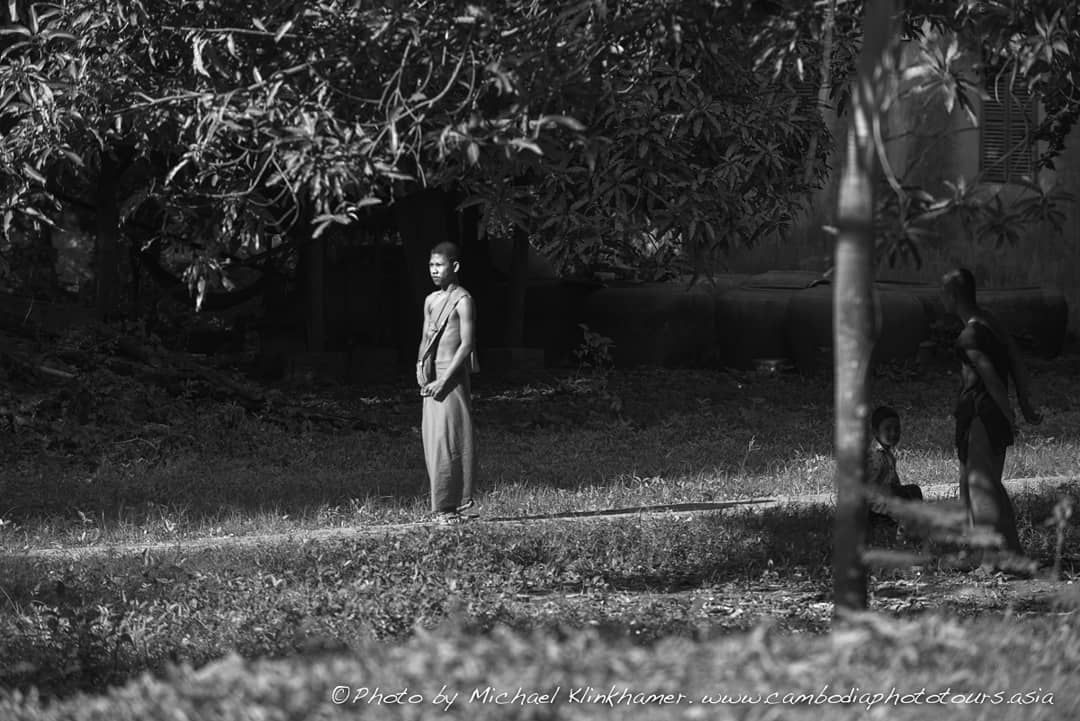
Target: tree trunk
422,221
824,86
107,240
515,302
853,312
316,293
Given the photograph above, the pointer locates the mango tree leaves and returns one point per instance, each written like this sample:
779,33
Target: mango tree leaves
693,149
606,130
254,117
958,53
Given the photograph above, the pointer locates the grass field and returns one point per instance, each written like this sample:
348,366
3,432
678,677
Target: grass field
681,603
548,444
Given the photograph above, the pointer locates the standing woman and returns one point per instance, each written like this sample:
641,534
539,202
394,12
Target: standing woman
985,420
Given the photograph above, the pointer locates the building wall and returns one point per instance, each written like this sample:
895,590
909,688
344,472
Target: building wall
930,147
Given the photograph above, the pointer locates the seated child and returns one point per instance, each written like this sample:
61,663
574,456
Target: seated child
882,480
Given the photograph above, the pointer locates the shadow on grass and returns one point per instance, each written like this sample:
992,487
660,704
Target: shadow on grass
534,432
632,510
710,434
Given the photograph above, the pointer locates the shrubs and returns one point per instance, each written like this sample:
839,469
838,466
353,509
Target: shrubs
955,670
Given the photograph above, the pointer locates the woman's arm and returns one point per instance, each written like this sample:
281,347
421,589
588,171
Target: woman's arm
995,385
1023,385
1016,370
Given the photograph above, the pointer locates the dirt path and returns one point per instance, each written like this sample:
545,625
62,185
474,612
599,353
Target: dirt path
752,505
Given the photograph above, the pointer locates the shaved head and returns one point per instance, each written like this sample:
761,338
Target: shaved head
448,250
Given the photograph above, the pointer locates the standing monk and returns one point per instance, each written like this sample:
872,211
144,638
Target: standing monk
985,420
442,371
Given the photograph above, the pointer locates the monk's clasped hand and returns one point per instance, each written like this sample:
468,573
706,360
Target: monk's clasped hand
433,389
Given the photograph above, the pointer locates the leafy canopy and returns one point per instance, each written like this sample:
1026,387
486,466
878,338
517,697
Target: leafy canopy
605,129
591,122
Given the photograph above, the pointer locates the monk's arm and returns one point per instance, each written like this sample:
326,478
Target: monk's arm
466,312
423,342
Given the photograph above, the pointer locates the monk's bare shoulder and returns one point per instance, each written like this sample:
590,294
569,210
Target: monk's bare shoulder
466,307
428,300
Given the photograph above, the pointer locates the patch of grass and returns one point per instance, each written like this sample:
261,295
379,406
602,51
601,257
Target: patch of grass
272,600
556,443
560,444
101,621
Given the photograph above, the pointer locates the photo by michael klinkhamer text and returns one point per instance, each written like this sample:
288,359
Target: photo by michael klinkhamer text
614,696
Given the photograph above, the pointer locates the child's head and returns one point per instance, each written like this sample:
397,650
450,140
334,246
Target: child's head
885,423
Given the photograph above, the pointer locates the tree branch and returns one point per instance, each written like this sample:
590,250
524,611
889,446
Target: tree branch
823,88
212,95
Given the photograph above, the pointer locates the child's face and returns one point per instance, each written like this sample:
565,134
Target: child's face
888,432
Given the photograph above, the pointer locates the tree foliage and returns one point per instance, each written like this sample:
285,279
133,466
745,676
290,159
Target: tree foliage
596,124
607,129
684,145
964,51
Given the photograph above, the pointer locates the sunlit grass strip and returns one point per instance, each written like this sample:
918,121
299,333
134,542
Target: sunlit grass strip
244,477
394,500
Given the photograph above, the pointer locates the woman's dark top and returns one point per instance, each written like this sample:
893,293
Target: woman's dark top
975,400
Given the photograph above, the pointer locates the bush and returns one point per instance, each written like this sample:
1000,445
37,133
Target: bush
953,669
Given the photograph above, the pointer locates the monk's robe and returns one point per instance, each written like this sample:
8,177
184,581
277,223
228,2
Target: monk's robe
447,424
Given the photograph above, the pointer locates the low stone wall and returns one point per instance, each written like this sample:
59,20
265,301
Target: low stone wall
662,324
729,320
788,315
901,321
1037,318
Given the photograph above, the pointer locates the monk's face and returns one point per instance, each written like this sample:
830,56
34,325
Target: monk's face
443,271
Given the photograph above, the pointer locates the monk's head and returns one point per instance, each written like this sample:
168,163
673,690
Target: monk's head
444,264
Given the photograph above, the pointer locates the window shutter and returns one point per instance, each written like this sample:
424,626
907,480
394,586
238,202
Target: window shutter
807,92
1004,125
